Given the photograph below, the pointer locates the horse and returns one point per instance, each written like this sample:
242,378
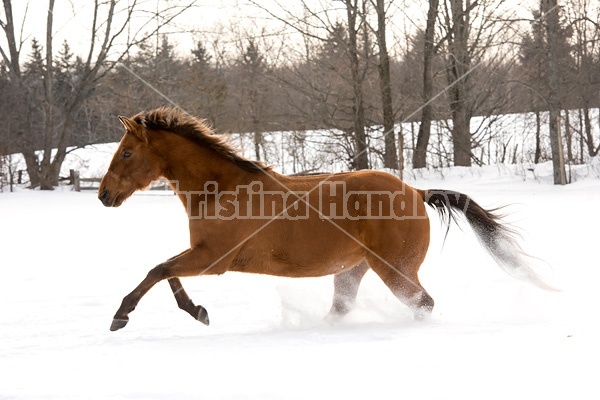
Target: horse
245,217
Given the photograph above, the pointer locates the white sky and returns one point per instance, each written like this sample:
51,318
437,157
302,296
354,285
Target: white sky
72,20
206,18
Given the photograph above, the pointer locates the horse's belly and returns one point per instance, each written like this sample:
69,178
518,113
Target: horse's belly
288,264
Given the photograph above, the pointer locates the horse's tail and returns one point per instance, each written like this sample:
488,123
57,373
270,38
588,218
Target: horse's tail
497,238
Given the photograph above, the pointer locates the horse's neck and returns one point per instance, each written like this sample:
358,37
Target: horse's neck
191,166
195,171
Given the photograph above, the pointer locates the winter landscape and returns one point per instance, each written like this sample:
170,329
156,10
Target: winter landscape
493,98
68,261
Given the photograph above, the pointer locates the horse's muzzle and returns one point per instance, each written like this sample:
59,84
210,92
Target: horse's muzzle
104,198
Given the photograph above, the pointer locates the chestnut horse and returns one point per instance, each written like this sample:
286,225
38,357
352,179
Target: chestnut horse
245,217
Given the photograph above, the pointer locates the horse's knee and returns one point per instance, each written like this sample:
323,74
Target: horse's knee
424,306
345,289
341,306
159,273
426,302
186,304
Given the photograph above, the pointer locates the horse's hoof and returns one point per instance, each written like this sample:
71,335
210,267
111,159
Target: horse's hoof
422,314
332,318
118,324
202,315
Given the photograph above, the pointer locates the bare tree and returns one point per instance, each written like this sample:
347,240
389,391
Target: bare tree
458,68
321,26
583,19
473,36
104,52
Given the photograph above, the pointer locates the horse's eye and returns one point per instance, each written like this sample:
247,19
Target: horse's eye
126,154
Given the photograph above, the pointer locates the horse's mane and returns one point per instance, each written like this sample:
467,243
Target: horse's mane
196,130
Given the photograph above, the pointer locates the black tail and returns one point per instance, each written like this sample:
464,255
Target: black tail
498,239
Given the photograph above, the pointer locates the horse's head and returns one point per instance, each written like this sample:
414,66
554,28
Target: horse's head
134,166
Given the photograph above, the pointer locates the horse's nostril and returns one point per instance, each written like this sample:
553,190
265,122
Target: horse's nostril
103,195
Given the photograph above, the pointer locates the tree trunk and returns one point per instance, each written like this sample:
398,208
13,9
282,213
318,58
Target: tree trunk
550,10
538,140
458,68
48,181
461,136
32,166
568,136
12,61
558,162
587,125
420,152
361,157
390,159
13,49
257,140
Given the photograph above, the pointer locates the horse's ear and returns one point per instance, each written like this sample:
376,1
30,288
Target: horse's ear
134,128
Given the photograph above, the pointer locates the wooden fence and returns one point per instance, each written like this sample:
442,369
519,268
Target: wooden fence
80,183
75,179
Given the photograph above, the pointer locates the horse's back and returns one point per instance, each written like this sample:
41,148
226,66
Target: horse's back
365,189
347,217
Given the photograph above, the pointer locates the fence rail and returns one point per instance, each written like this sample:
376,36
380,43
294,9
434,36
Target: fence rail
80,183
75,179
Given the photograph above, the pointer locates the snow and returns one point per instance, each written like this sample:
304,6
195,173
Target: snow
67,262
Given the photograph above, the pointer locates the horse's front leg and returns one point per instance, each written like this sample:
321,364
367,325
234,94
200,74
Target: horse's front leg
189,263
130,301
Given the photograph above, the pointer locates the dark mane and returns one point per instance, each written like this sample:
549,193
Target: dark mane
196,130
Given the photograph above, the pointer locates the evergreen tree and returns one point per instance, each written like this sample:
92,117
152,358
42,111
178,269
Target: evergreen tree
209,89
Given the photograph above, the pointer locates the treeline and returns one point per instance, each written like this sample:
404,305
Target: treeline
350,74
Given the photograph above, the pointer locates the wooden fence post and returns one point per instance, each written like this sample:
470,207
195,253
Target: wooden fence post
75,181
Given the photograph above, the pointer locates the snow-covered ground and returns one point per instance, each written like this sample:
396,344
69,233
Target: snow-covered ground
67,261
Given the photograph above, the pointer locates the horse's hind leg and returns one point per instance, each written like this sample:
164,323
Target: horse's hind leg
186,304
404,284
345,289
183,300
